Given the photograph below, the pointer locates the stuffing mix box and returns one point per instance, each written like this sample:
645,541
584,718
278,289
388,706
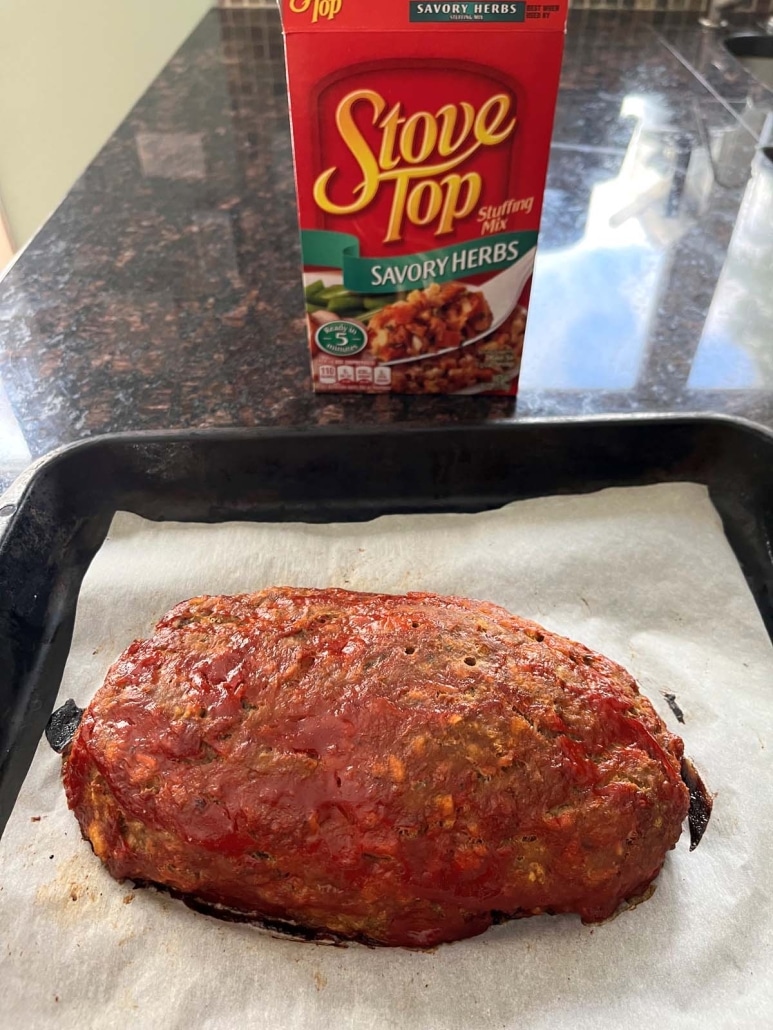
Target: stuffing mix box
421,134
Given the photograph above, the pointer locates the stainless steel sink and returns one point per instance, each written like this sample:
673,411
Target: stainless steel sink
755,53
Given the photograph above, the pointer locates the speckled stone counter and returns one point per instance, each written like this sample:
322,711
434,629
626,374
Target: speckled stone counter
165,291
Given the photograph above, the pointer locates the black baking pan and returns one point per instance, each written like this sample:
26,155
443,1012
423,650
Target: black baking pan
55,518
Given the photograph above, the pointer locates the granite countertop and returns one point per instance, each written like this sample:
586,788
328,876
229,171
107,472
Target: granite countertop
165,291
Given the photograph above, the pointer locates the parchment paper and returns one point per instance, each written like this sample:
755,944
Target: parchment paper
644,575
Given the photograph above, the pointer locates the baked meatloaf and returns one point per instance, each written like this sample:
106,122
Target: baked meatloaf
397,770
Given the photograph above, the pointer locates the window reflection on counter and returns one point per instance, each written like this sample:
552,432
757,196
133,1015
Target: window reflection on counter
736,347
14,452
593,302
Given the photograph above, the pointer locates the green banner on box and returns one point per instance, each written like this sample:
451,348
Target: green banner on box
480,11
412,271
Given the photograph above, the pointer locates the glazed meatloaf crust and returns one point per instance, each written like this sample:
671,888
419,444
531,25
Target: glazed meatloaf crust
402,770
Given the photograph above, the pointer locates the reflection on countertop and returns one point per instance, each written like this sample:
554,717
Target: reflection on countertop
735,351
165,291
643,220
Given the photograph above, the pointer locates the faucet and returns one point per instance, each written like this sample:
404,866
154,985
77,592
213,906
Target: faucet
713,19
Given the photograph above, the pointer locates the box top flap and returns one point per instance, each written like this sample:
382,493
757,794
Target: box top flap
411,15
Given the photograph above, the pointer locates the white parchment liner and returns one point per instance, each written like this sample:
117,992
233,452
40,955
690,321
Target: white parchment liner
644,575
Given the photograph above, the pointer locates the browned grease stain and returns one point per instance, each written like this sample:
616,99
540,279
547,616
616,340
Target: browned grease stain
73,893
320,980
128,899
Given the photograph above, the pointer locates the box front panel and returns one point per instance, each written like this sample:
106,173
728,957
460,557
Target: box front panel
420,165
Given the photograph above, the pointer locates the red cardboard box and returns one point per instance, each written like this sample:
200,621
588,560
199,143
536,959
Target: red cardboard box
421,134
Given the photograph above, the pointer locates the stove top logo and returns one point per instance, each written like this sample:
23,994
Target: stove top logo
418,157
318,8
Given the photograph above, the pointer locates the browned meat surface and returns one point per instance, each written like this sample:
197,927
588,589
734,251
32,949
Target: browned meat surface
402,770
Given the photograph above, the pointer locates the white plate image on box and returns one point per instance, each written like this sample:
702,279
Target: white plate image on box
643,575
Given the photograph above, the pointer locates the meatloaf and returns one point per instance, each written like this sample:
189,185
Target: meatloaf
400,770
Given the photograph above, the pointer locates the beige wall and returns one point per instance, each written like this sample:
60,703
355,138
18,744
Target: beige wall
6,247
69,72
